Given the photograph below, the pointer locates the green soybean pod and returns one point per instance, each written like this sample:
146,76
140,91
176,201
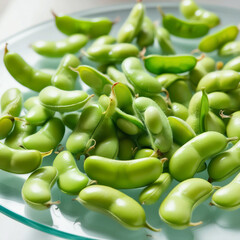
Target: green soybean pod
70,119
59,48
162,103
102,40
132,26
225,164
216,40
123,174
227,197
158,64
60,100
192,11
145,152
47,138
230,49
164,40
36,191
92,27
232,128
153,192
214,123
20,161
70,179
224,80
167,79
179,110
23,73
6,125
187,159
126,148
65,78
115,204
176,209
233,64
146,35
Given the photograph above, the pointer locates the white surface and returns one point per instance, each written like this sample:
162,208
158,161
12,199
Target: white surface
16,15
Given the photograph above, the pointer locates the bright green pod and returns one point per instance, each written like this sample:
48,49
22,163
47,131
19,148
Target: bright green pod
179,110
64,78
126,148
106,39
225,164
223,81
230,49
214,123
164,40
181,130
19,161
144,153
20,131
70,179
227,197
216,40
60,100
47,138
70,119
176,209
59,48
36,190
142,81
123,174
153,192
163,139
162,103
187,159
37,114
192,11
132,26
97,81
114,204
92,27
6,125
158,64
167,79
146,35
144,140
23,73
233,64
233,126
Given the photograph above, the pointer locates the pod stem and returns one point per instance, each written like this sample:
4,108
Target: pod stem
116,20
92,182
163,160
219,65
53,13
232,139
216,187
147,225
45,154
222,115
201,57
92,146
6,49
60,148
142,53
211,204
161,11
196,50
49,204
195,224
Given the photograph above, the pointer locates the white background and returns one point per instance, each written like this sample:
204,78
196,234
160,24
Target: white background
17,15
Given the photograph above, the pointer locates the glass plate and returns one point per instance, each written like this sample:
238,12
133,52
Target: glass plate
71,220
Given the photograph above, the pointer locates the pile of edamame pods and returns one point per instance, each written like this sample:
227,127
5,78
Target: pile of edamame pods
148,118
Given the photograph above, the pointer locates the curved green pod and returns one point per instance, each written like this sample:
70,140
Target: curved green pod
224,80
158,64
227,197
92,27
70,179
225,164
132,26
214,123
6,125
47,138
105,39
123,174
37,114
59,48
230,49
64,78
126,148
115,204
23,73
167,79
19,161
59,100
233,64
70,119
192,11
233,125
145,152
179,110
36,191
216,40
176,209
187,159
162,103
153,192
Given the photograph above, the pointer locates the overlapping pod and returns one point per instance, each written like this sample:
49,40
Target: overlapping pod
233,126
230,49
233,64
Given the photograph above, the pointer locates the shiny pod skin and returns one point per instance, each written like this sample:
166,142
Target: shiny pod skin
233,64
233,126
153,192
230,49
59,48
228,197
63,101
36,191
70,179
123,174
188,158
19,161
176,209
115,204
47,138
225,164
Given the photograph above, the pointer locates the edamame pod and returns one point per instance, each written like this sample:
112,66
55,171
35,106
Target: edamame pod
214,123
145,152
36,191
123,174
233,64
126,148
179,110
176,209
115,204
230,49
70,119
232,128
